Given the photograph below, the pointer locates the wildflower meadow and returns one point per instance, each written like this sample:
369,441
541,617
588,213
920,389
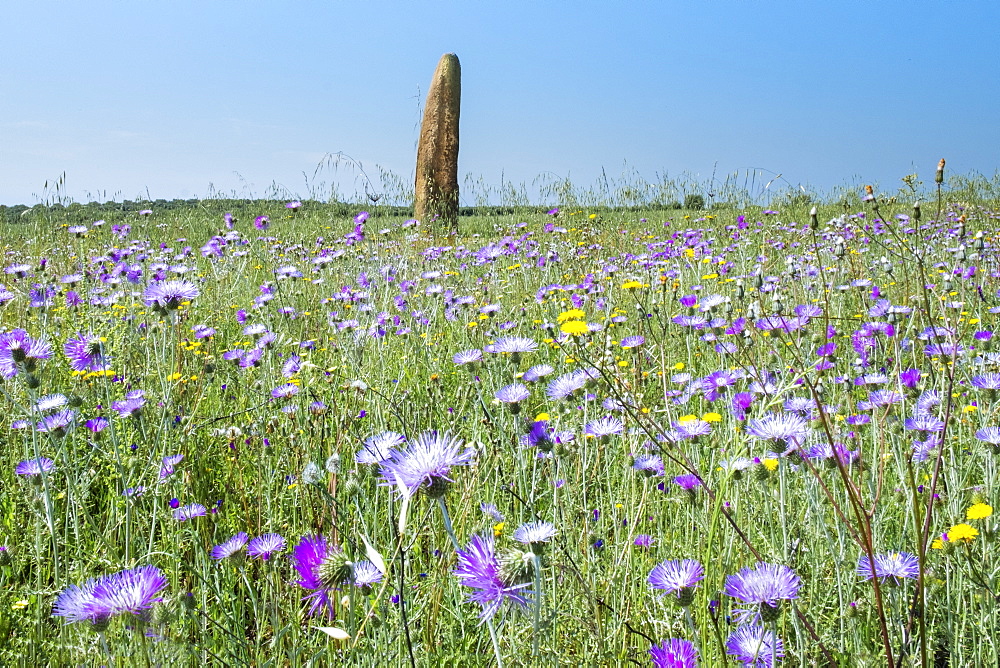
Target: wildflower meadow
273,433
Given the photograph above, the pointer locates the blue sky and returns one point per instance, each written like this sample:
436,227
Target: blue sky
176,98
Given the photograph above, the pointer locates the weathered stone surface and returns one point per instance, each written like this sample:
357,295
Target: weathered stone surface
436,186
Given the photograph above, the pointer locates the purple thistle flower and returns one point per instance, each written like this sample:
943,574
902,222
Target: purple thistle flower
989,435
565,385
536,373
86,353
79,603
651,465
99,599
513,345
531,533
97,425
674,653
168,295
468,356
130,405
50,402
643,541
377,448
322,568
604,427
896,565
132,590
167,467
691,429
823,450
687,481
539,435
879,399
784,427
986,381
764,585
264,546
19,350
364,574
291,366
909,378
513,393
479,568
230,547
677,577
492,511
286,391
57,424
755,646
632,341
425,464
189,512
924,423
33,467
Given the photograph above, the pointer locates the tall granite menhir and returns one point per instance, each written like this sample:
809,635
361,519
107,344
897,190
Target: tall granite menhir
436,201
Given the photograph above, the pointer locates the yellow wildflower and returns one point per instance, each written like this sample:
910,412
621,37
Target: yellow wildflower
572,314
575,328
978,511
962,533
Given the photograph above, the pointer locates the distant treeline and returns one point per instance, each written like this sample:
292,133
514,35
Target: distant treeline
79,213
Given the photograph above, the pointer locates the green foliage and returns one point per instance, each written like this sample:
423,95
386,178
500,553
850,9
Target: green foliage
626,269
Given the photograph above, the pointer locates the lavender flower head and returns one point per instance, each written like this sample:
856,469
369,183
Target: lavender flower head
99,599
677,577
364,574
265,546
764,585
19,351
755,646
34,467
169,295
85,352
189,512
895,565
479,568
532,533
674,653
322,568
231,547
788,428
425,464
378,448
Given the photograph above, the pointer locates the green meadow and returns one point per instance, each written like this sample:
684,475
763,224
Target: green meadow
804,382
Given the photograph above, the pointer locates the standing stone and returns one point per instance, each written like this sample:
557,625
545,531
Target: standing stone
437,153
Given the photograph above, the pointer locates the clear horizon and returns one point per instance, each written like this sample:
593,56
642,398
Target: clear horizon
193,99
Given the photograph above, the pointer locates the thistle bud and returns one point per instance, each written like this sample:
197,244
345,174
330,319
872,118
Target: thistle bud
813,219
916,212
939,174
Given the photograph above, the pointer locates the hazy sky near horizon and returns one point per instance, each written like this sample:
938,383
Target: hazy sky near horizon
177,99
